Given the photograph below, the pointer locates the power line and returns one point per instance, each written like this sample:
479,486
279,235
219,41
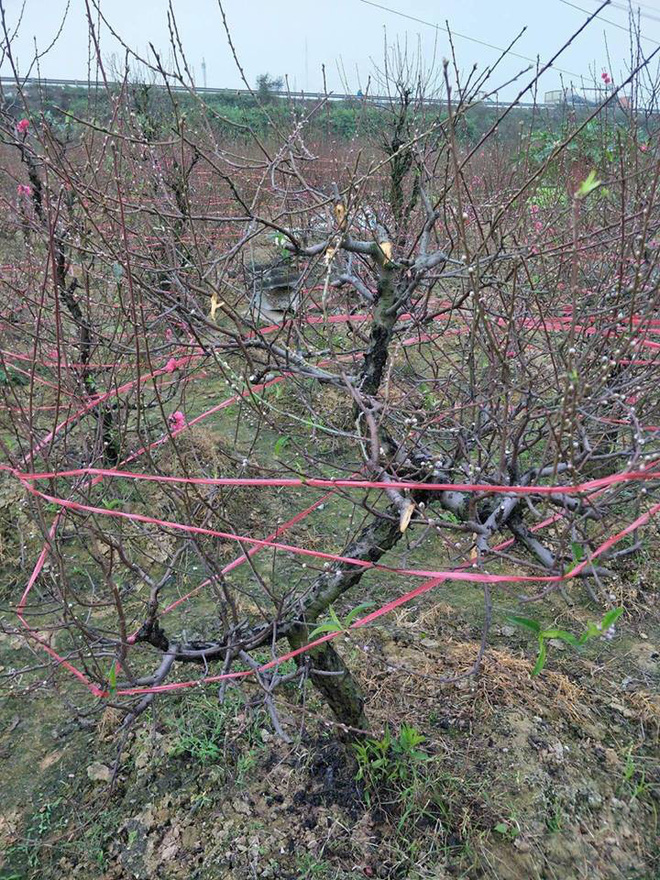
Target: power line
466,37
615,24
639,6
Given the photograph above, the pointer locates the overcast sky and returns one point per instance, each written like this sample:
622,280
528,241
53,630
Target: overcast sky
295,38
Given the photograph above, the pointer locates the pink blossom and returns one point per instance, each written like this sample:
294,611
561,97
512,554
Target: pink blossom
177,421
169,335
171,365
534,209
606,78
54,354
538,226
22,126
24,190
643,147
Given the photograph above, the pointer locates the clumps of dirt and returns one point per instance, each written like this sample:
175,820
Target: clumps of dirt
185,819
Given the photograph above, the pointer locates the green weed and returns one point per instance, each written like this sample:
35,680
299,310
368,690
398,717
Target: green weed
544,635
634,778
204,729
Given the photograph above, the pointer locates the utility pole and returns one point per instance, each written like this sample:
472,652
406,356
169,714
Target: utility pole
204,72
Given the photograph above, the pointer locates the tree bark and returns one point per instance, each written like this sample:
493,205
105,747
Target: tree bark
338,688
381,333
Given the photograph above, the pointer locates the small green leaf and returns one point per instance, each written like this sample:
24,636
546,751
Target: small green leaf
118,271
592,631
281,443
542,657
560,634
356,612
610,618
328,626
501,828
112,679
534,625
324,628
589,184
578,552
597,629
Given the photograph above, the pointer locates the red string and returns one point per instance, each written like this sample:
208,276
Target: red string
432,578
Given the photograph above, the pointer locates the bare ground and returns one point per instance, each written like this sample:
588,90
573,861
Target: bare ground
555,776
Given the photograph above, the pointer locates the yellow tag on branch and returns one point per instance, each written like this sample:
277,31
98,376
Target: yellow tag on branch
387,249
406,514
215,304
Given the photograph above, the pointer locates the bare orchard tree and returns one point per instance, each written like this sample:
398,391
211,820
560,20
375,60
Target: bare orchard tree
213,327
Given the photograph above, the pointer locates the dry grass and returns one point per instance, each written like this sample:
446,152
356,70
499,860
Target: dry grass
504,681
646,709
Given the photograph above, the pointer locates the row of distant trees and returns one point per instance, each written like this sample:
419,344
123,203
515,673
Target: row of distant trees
66,107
